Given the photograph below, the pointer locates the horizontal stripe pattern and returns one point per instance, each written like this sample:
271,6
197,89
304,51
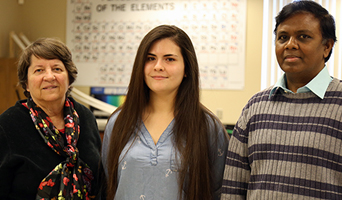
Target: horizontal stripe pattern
288,146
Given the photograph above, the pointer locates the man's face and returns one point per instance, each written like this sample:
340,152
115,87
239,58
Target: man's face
300,48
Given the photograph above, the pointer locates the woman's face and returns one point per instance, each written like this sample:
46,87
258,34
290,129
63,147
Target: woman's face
47,81
164,67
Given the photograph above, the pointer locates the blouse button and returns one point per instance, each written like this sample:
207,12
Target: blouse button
154,153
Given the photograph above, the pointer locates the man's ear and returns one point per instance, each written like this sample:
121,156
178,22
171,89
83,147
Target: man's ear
328,43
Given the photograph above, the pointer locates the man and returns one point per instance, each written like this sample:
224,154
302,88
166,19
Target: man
287,143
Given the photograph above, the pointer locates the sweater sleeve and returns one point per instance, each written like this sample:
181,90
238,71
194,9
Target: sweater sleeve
6,172
237,170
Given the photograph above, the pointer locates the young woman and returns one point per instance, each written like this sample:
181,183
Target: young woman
162,143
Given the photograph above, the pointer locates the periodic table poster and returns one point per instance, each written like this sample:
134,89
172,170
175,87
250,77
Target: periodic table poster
104,35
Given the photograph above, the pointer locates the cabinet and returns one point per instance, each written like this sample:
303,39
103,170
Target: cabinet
10,91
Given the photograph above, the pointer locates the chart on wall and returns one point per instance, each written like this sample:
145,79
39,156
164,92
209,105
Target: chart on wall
104,36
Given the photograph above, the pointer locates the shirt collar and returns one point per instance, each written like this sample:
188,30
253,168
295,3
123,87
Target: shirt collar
318,85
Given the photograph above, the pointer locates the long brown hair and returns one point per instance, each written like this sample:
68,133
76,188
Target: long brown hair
191,119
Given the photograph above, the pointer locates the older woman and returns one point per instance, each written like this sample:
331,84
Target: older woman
50,144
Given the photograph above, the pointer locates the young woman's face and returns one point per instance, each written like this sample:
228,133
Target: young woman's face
47,80
164,67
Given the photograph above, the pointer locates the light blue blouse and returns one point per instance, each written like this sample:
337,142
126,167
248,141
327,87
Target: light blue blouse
148,171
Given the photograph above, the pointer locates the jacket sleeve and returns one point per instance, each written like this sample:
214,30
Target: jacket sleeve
218,151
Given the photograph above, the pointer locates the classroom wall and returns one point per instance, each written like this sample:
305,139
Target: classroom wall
233,101
47,18
10,21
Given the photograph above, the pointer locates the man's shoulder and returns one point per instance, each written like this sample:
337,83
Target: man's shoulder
335,87
262,95
336,82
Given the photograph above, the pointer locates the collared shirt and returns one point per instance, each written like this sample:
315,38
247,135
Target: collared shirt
318,85
150,171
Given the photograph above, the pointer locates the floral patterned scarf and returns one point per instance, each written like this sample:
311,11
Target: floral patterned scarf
71,179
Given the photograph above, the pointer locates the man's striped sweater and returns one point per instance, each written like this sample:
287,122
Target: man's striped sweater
288,146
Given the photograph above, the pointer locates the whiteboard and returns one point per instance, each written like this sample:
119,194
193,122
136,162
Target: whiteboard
103,36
